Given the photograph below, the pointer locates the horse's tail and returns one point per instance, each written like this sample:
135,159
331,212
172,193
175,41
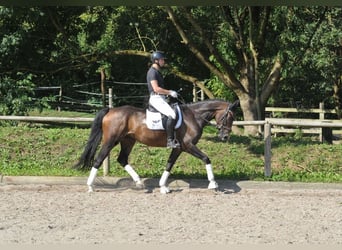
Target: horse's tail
87,158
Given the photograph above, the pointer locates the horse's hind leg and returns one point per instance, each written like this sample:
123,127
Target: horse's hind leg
126,148
105,149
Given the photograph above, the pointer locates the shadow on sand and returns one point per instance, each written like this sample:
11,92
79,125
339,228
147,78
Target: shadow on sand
176,185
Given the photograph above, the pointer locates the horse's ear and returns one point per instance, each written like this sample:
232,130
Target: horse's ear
233,106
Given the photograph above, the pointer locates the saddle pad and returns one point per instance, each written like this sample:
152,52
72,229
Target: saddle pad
154,119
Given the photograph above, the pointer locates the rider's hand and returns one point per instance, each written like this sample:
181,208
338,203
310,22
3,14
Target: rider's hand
173,94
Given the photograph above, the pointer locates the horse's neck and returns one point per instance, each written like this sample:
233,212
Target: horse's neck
204,111
207,116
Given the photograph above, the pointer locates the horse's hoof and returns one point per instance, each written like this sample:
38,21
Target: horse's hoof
164,190
213,185
139,184
90,189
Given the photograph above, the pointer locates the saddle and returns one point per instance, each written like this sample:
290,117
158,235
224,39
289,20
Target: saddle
157,121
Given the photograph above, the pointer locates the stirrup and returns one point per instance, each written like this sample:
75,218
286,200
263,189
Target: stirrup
172,143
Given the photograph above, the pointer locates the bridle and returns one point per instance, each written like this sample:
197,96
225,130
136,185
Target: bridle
224,120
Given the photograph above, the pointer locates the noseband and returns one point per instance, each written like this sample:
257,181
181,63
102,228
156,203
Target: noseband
224,120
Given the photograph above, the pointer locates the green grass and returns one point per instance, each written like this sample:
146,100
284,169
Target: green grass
51,151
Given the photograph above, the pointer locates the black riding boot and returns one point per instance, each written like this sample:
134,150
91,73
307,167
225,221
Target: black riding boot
170,125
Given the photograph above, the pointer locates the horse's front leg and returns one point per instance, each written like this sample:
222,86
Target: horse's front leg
164,189
193,150
212,183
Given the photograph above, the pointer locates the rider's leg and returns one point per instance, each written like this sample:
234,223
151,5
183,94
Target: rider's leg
159,103
170,133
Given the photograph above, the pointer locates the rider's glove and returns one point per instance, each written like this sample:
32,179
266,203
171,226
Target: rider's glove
173,94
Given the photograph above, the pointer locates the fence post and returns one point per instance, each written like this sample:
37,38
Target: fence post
321,117
60,97
202,95
267,153
106,162
194,94
103,86
110,97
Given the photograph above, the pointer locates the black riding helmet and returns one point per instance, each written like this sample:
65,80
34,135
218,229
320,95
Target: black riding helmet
156,55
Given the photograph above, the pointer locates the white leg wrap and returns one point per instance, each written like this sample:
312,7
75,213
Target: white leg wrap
92,176
132,173
210,173
212,183
164,178
164,190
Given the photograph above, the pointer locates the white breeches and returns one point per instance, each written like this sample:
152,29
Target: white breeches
159,103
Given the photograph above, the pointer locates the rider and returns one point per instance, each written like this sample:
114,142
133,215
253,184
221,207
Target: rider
155,83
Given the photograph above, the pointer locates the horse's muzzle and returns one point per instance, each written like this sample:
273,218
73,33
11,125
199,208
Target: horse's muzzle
224,137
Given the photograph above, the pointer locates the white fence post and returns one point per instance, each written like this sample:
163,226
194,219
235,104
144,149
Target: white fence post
60,97
194,94
268,152
106,162
321,117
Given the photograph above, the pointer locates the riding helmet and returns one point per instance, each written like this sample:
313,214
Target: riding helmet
156,55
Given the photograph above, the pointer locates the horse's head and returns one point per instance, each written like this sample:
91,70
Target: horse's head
224,120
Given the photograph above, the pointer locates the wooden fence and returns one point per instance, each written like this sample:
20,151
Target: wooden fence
267,124
321,115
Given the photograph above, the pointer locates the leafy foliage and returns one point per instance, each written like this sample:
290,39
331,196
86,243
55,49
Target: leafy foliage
61,46
15,94
310,47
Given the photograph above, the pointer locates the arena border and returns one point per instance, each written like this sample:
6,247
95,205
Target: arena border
125,182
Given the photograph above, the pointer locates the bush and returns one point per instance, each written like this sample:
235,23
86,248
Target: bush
16,94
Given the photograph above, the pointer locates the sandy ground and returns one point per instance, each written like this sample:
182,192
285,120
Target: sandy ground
63,214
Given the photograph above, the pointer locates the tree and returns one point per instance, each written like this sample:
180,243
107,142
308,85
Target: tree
16,87
326,57
312,63
262,55
250,46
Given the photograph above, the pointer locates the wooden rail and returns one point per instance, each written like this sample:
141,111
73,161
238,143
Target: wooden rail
299,110
321,112
45,119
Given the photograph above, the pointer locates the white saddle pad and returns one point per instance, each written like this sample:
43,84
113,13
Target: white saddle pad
154,120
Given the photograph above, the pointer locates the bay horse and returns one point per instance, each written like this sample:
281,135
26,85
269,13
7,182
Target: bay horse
126,125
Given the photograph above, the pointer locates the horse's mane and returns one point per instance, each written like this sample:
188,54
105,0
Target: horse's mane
200,103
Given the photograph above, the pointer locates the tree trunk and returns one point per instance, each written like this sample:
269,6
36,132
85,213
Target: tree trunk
249,109
252,101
